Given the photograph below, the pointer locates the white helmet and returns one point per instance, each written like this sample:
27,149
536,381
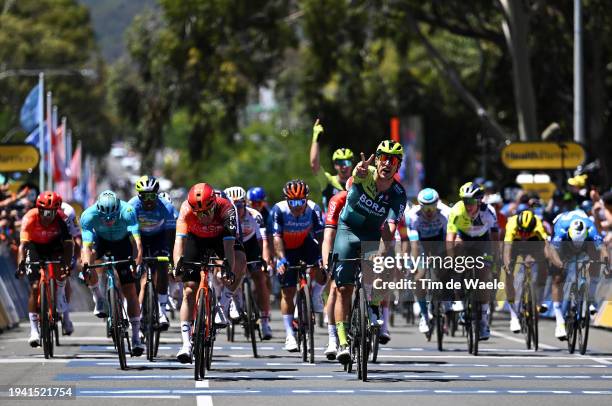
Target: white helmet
428,196
577,232
235,193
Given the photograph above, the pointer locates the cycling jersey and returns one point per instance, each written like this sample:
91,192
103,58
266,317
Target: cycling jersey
330,185
366,209
69,216
512,232
421,228
93,224
460,222
562,224
151,222
336,204
223,223
33,231
252,225
295,230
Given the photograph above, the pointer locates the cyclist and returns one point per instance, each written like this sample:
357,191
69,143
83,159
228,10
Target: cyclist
332,215
175,289
343,164
256,199
110,226
297,227
157,222
43,235
374,205
207,222
575,235
426,222
255,244
471,220
522,228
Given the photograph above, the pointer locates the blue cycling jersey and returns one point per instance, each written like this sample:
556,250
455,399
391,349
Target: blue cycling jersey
294,230
94,226
162,217
562,224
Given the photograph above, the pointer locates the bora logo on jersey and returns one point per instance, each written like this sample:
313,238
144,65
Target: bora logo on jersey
371,205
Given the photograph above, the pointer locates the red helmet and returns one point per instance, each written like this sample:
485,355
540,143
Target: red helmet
201,197
48,200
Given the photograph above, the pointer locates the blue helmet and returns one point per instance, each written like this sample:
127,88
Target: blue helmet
256,194
108,203
428,196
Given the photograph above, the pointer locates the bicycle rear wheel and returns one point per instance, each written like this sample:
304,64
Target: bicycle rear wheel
528,315
476,317
210,344
251,319
198,338
117,326
301,330
439,315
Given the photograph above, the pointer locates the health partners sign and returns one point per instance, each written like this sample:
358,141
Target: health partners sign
18,157
542,155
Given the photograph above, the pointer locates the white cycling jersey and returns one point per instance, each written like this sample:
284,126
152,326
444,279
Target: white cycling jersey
70,220
421,228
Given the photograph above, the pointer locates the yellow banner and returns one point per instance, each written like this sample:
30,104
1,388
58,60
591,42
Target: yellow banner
543,155
18,157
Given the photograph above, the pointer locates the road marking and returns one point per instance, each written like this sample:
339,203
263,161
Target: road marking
601,360
519,340
203,400
33,360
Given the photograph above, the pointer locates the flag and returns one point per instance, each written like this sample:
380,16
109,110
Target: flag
59,150
75,166
33,139
28,117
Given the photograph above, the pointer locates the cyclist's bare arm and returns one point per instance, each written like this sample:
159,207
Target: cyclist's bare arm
553,256
329,235
68,251
315,154
179,246
279,246
136,248
228,250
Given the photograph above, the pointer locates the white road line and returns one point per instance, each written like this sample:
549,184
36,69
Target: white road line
33,361
601,360
203,400
520,340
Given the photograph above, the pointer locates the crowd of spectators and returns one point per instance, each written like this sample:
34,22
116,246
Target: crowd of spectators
13,205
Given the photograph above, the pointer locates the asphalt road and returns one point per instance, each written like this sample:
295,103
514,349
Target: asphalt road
410,370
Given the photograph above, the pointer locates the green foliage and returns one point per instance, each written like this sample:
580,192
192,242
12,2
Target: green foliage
43,34
260,155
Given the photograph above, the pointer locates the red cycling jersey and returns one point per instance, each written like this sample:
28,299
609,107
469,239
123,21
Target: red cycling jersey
223,223
336,203
32,229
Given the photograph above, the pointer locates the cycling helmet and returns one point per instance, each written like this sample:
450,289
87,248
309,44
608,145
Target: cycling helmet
577,231
471,190
165,196
296,189
48,200
342,154
108,203
201,197
147,184
256,194
235,193
428,196
390,147
526,221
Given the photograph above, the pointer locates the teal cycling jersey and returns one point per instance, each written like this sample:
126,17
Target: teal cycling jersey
366,209
94,226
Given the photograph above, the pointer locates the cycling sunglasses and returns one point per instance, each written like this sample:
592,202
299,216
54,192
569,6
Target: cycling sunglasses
429,208
49,213
394,160
295,203
343,162
148,196
470,201
205,213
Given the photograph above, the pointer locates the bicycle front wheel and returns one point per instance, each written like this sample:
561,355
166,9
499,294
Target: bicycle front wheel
363,336
198,338
117,326
309,325
583,322
45,327
148,319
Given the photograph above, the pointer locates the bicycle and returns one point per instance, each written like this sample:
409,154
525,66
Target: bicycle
578,314
117,321
250,318
204,332
150,308
306,316
47,303
472,315
528,309
361,330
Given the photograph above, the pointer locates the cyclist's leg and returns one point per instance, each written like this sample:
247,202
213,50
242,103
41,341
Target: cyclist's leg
511,290
31,254
190,280
288,283
312,255
421,296
558,279
259,278
94,278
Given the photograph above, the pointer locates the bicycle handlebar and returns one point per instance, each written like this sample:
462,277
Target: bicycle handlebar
106,264
226,273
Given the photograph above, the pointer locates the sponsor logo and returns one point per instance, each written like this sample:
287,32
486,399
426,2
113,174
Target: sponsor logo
370,204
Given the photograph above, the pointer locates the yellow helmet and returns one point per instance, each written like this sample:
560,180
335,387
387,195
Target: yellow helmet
390,147
147,184
526,221
471,190
342,154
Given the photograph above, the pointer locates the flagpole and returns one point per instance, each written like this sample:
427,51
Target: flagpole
48,140
41,129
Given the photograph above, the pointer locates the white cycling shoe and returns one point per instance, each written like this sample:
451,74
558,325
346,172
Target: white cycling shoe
560,331
423,325
291,344
184,354
34,339
331,351
515,325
